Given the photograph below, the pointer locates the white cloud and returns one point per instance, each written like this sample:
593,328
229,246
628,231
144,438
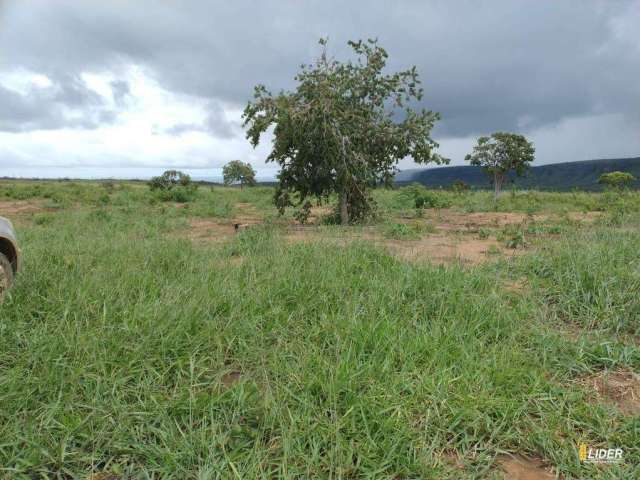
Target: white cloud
138,139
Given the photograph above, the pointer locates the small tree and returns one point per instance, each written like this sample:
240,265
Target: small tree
460,186
500,154
343,129
616,179
170,179
237,171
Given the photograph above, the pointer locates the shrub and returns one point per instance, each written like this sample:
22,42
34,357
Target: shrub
178,194
423,198
174,185
429,199
169,180
460,186
513,237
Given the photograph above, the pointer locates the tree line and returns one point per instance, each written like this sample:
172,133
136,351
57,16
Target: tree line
345,127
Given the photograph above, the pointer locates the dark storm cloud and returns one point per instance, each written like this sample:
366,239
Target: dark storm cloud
485,65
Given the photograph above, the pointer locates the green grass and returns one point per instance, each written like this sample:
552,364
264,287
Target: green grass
119,338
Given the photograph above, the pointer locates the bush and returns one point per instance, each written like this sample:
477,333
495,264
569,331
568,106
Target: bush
431,200
178,194
423,198
171,179
460,186
174,185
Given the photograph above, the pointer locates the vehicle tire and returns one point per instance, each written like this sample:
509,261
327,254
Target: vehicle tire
6,274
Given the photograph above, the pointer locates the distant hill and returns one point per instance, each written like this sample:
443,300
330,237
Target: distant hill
558,176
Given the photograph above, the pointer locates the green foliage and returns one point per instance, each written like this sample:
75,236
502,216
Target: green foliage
173,185
343,129
484,233
406,231
500,154
129,351
302,213
513,236
422,198
239,172
617,179
170,179
460,186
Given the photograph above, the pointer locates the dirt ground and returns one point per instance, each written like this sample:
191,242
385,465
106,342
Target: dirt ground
449,244
11,208
620,388
436,248
516,467
452,220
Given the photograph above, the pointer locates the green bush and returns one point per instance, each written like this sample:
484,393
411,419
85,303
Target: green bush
423,198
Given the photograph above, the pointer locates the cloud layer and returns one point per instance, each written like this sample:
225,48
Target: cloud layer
178,74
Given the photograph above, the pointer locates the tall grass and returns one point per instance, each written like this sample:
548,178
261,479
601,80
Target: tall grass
126,349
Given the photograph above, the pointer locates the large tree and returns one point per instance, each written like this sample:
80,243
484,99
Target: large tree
500,154
616,179
343,129
239,172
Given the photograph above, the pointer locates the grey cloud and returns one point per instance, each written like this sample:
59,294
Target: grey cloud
486,65
215,124
67,103
121,92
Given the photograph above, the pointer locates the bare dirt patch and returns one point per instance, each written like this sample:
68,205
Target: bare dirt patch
9,208
517,467
205,230
229,379
621,388
246,213
439,249
103,476
519,286
587,217
451,220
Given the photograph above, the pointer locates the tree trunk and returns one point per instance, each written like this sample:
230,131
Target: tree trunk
344,210
497,184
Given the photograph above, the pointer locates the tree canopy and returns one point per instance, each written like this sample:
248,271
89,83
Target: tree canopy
239,172
343,129
500,154
616,179
170,179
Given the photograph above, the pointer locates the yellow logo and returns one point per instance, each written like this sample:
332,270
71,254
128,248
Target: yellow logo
582,453
599,455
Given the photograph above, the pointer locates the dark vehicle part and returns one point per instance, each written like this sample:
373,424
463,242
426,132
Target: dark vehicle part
9,255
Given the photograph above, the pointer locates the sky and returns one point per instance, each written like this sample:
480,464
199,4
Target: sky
127,89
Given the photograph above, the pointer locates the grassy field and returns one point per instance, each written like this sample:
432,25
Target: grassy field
145,339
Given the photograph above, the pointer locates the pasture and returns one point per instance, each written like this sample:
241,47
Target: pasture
146,338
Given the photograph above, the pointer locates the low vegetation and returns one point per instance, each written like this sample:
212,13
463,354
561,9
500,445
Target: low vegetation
145,339
239,172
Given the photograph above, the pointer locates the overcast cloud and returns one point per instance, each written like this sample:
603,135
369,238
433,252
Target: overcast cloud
128,88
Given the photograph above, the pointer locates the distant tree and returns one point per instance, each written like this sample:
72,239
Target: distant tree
616,179
343,129
500,154
460,186
239,172
170,179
